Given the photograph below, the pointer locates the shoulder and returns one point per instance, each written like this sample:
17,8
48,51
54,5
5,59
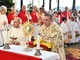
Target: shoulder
56,27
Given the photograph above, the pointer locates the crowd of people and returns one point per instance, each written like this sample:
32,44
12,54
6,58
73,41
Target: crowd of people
54,27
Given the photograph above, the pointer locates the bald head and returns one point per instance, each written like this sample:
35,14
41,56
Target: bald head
16,22
23,8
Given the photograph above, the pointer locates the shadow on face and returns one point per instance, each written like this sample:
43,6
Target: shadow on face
16,23
46,20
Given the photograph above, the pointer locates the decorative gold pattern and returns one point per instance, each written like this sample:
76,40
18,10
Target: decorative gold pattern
53,35
28,28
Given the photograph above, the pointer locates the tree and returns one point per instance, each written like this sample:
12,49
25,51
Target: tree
30,7
7,3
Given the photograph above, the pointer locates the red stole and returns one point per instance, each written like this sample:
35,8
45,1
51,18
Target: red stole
61,16
23,16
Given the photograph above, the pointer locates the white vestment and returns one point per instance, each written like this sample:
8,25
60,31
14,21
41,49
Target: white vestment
17,32
68,23
74,27
64,29
3,19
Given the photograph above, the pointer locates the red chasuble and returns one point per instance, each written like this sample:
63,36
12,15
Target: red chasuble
23,16
10,17
34,17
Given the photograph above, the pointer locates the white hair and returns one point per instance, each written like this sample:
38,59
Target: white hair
12,8
3,7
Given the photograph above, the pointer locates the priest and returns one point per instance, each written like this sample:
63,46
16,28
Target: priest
64,27
35,15
3,22
16,34
12,14
52,35
24,15
67,13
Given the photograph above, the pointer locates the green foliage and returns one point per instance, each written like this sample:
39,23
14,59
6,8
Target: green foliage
7,3
30,7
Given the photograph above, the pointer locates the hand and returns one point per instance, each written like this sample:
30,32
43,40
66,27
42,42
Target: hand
16,43
5,23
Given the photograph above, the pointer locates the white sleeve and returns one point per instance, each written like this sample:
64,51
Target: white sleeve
5,18
64,28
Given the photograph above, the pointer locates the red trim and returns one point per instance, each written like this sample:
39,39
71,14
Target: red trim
5,55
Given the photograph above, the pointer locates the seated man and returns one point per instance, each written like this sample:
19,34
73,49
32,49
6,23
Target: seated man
16,34
51,34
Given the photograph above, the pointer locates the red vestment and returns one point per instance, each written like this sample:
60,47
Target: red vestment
23,16
10,17
67,14
34,17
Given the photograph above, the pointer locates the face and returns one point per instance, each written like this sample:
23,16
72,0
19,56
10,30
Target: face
35,8
4,11
66,9
16,23
46,20
24,8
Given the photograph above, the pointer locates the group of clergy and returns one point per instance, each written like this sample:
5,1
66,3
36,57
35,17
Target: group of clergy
12,30
71,26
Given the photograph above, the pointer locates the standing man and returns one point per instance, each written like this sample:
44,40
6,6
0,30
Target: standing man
51,33
35,15
24,15
12,14
3,12
3,22
64,27
67,13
